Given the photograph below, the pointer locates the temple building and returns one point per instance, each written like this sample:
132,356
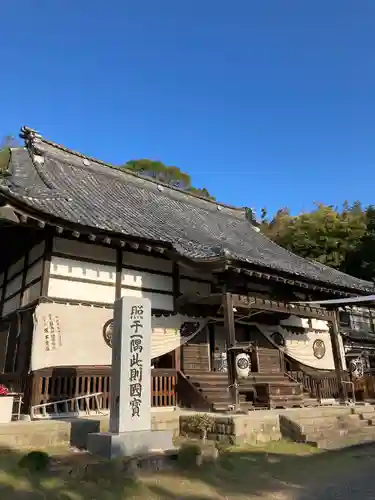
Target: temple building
238,322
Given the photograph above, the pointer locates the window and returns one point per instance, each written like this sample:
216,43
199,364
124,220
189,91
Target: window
362,321
344,318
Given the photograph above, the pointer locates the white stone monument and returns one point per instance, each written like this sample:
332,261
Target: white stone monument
130,413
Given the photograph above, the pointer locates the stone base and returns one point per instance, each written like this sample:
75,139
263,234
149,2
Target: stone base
128,444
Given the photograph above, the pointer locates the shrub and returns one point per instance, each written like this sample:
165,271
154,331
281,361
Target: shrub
187,455
201,423
35,461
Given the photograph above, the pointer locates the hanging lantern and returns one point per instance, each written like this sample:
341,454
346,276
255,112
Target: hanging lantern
356,368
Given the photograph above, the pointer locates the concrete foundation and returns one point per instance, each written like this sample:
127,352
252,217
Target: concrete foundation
128,444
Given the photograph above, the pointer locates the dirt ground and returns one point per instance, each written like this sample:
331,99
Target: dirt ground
279,471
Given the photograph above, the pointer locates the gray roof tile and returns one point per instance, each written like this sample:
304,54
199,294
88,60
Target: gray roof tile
88,192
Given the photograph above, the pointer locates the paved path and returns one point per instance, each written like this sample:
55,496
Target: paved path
359,484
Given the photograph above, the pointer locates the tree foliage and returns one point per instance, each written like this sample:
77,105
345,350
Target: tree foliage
170,175
341,238
5,144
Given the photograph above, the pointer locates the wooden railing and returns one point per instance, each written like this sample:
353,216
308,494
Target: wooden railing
54,384
163,387
320,386
189,396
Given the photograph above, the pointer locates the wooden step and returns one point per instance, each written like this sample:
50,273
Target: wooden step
206,375
213,388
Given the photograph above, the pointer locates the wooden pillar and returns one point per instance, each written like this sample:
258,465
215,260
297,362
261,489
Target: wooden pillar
231,342
334,333
46,264
176,284
24,276
177,359
176,294
2,300
118,273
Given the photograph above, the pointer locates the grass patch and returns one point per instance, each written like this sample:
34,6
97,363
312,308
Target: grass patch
239,473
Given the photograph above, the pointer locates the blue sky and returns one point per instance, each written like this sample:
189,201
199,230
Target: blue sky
265,103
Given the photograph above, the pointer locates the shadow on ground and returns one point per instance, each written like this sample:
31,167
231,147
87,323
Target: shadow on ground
238,473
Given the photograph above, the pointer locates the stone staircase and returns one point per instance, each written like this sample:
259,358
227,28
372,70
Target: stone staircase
330,427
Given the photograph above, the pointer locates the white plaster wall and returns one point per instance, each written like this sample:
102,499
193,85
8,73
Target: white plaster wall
143,279
80,269
158,300
75,290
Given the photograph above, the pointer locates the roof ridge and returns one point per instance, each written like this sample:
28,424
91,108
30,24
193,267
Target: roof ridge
31,138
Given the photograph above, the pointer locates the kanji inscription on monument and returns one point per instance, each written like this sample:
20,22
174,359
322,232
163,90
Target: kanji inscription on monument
131,366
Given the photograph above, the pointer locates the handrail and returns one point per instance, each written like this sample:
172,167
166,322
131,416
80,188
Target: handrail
350,382
290,377
192,397
65,402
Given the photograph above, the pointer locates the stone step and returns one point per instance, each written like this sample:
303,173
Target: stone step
327,420
343,431
310,401
345,441
318,413
326,431
312,434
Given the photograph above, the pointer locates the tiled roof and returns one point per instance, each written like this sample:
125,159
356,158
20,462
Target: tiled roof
69,186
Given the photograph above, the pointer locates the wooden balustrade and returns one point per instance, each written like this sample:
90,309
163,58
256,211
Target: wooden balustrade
189,396
54,384
318,385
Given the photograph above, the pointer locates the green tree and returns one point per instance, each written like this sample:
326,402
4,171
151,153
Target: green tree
325,234
5,144
361,261
170,175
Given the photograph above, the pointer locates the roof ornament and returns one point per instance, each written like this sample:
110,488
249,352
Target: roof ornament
224,252
29,135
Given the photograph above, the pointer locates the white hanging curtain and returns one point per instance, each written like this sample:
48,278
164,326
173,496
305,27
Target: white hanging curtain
169,333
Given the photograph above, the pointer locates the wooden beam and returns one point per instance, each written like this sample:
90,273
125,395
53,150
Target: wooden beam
250,302
3,291
118,273
337,359
24,276
176,284
46,265
230,331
